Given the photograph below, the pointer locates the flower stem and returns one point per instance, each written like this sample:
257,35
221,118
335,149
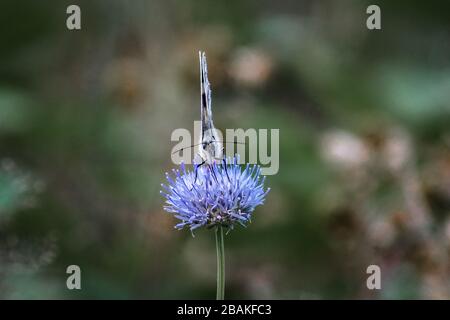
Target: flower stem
220,247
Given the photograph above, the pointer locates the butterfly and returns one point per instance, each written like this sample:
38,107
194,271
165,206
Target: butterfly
210,148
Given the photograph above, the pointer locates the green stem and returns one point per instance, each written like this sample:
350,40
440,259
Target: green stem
220,263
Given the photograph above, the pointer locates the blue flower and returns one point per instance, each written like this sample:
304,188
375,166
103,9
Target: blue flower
218,194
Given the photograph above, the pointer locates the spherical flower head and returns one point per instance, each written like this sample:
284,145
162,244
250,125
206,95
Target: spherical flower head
219,194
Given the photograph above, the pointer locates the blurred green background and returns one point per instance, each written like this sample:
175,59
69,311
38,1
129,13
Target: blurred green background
85,124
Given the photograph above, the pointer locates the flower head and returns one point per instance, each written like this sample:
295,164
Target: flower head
213,195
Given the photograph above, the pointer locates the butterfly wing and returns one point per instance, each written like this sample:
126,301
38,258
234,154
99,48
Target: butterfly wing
209,148
205,91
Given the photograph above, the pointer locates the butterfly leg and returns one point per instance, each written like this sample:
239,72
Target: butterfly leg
213,173
226,171
196,171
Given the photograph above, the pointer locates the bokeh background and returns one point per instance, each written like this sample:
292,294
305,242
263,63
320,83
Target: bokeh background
364,119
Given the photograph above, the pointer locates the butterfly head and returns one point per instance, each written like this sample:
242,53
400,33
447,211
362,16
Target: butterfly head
210,149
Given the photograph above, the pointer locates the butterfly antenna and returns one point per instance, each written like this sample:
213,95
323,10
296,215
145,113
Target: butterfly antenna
234,142
181,149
